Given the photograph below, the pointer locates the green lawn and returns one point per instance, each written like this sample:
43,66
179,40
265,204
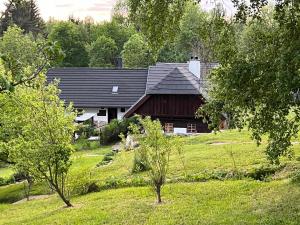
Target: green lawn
230,201
6,172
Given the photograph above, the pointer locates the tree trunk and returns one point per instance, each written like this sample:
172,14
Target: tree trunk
158,192
65,200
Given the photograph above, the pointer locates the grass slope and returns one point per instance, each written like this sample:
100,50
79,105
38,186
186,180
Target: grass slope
213,202
229,202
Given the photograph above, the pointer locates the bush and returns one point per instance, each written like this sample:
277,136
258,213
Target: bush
83,144
263,172
81,184
86,130
108,157
140,163
7,181
111,133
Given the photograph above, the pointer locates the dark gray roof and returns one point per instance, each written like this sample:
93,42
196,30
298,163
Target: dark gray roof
161,70
92,87
178,81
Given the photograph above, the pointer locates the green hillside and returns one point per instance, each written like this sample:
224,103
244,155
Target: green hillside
225,179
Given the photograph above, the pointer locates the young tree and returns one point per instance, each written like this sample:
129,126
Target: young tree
102,52
156,148
23,13
137,53
39,131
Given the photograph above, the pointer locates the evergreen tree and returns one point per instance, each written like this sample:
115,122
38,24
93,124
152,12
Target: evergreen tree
23,13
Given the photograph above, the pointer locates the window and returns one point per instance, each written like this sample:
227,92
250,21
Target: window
102,112
192,128
169,127
123,110
115,89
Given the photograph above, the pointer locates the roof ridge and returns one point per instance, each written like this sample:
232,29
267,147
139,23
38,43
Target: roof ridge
182,73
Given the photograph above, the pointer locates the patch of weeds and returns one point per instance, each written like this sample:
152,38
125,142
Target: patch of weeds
296,177
264,172
108,158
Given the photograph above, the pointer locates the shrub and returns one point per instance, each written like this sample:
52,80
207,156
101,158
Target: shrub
81,184
7,181
86,130
296,177
140,163
108,157
111,133
83,144
263,172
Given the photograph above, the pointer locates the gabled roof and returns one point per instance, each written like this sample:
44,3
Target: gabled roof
161,70
178,81
92,87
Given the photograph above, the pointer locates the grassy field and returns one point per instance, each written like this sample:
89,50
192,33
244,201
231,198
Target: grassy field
219,200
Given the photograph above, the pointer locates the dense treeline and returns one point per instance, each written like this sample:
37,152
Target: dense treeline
86,43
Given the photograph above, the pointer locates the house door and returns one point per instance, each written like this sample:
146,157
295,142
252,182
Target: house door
112,114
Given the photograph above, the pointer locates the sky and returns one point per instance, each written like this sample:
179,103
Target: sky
100,10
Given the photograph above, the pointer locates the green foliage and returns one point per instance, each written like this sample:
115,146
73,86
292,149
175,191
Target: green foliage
111,133
117,31
102,52
257,83
108,158
136,53
81,184
155,149
158,20
24,14
140,163
72,42
86,130
39,130
23,58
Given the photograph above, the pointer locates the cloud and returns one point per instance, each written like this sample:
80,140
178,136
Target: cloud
63,5
100,7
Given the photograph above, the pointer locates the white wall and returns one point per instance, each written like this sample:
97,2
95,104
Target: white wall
121,114
98,118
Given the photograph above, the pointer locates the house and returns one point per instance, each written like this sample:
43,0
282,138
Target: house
170,92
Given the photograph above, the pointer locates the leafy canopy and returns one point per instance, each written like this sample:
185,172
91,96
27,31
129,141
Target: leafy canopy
37,132
23,58
137,53
102,52
258,83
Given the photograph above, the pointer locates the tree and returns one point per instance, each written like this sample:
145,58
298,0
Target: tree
23,13
119,32
137,53
258,83
102,52
156,148
23,58
70,39
158,20
39,132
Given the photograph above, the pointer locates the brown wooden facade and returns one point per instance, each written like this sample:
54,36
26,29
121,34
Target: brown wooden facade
178,110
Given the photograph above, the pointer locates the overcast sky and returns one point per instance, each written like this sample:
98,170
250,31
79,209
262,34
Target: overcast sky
98,9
